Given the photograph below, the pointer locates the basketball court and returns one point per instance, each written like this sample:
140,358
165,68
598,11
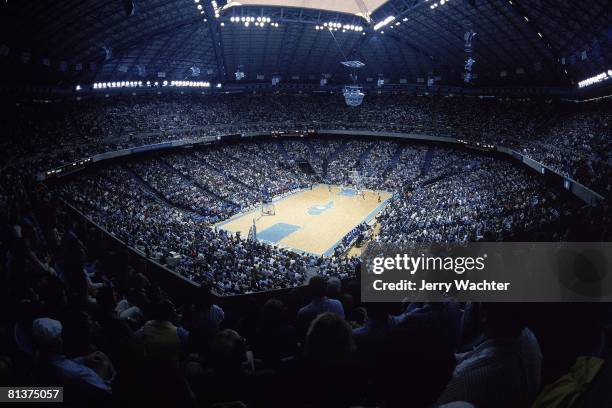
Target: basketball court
312,221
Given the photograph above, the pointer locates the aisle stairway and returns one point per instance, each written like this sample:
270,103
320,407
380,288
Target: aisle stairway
363,157
223,173
339,150
311,149
394,159
283,151
426,165
191,181
147,187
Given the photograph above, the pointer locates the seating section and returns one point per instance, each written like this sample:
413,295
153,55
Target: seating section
169,203
576,144
338,170
83,311
176,189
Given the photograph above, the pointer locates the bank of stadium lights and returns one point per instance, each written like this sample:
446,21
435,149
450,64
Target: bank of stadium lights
199,6
604,76
189,84
334,26
256,21
383,23
122,84
438,4
140,84
213,3
216,8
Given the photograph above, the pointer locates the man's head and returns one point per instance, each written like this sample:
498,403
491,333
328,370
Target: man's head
204,297
329,340
273,313
163,311
317,287
47,335
334,288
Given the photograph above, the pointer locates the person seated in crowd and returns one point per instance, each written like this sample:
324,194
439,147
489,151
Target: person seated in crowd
370,338
275,338
504,369
319,303
115,337
325,374
379,322
414,365
230,373
206,312
86,380
446,316
163,342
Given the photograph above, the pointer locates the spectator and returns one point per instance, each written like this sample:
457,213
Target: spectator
275,338
415,364
161,339
319,303
504,370
326,376
86,380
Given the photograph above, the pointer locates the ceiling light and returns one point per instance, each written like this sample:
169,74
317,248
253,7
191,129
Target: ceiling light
383,23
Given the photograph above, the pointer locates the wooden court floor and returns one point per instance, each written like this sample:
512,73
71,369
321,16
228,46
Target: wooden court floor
312,221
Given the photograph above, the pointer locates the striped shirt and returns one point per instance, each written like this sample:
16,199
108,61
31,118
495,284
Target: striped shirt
500,372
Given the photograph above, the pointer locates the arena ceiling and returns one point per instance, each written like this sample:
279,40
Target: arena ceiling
543,42
361,8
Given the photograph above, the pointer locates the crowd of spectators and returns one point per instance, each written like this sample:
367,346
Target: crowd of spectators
407,168
488,200
575,143
206,177
117,202
579,146
93,322
166,206
339,170
355,237
175,189
79,313
254,165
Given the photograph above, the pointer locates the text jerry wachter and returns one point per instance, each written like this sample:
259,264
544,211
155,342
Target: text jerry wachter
412,265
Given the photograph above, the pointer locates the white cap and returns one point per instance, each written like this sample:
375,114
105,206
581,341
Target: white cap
457,404
46,330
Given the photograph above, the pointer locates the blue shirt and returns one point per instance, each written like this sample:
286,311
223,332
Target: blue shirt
80,382
323,305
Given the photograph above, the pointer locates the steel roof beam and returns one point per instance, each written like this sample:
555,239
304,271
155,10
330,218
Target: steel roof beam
215,34
549,61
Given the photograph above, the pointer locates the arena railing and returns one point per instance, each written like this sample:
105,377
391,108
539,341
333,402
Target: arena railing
176,285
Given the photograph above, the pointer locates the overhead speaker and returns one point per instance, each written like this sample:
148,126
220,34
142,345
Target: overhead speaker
129,7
